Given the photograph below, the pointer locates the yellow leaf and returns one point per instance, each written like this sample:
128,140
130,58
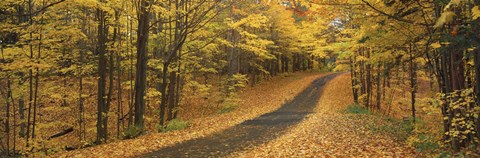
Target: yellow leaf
476,12
436,45
471,49
445,43
446,17
455,1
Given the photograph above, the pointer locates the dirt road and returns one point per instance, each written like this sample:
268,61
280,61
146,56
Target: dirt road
253,132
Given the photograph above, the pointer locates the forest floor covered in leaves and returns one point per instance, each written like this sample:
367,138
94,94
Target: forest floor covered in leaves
331,131
253,132
263,98
324,131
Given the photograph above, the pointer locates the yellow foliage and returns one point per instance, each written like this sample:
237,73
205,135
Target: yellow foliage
436,45
446,17
456,2
476,12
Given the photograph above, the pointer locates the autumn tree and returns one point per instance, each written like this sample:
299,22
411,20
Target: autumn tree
79,73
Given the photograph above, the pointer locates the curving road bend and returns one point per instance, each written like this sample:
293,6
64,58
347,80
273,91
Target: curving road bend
251,132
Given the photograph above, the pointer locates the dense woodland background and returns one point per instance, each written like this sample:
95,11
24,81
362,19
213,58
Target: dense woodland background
80,73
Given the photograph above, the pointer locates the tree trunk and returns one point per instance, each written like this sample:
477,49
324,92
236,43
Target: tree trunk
14,123
163,101
413,82
102,69
64,96
7,116
81,114
171,95
458,83
37,73
179,86
81,110
62,133
363,83
446,89
285,66
106,109
178,94
119,95
369,81
30,74
131,94
142,59
21,111
353,76
232,64
379,90
277,65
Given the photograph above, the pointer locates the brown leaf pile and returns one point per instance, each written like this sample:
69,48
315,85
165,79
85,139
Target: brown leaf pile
258,100
331,133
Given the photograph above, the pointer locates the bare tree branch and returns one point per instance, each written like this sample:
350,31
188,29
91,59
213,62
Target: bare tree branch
392,16
38,11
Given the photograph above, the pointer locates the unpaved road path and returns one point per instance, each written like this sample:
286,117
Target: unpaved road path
253,132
